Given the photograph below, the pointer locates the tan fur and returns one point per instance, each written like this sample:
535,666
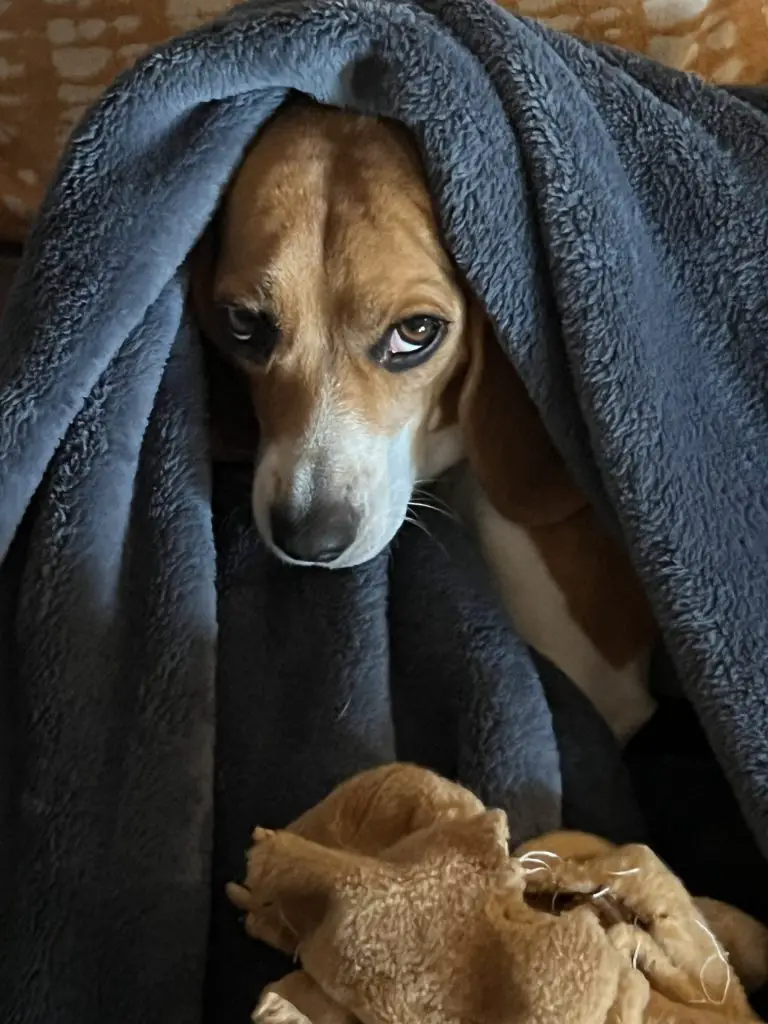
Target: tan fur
526,480
233,427
400,898
511,453
329,227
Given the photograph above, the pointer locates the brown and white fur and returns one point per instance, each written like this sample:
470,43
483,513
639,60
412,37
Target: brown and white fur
328,229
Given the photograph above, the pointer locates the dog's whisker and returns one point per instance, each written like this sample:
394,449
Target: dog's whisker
415,521
426,504
434,508
425,493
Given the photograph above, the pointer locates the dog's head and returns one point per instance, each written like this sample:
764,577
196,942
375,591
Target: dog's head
329,287
333,294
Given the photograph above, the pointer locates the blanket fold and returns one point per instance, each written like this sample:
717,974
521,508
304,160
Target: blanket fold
164,683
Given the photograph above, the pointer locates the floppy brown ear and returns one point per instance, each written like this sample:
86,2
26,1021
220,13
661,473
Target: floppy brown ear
202,274
509,450
234,430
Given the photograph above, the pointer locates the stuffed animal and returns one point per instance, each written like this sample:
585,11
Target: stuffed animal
400,898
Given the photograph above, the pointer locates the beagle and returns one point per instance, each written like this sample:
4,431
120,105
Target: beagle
370,369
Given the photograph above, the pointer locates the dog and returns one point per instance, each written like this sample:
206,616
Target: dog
371,369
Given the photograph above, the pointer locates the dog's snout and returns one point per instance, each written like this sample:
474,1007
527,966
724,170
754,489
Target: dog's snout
321,534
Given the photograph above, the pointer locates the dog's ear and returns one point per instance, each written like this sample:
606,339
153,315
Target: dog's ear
507,446
202,275
233,426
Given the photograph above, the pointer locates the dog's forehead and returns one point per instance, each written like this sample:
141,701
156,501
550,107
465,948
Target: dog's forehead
309,153
331,203
329,227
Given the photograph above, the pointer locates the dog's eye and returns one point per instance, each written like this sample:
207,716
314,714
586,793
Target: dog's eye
411,341
414,334
254,333
244,323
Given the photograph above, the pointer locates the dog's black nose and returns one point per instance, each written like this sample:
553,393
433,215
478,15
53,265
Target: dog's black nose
321,534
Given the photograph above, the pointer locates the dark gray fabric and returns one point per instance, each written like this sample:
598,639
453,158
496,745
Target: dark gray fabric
165,686
314,670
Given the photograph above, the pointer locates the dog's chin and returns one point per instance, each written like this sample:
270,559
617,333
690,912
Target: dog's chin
348,560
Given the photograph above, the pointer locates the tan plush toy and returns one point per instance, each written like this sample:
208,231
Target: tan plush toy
401,900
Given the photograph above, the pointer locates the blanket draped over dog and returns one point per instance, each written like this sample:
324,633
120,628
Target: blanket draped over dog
164,682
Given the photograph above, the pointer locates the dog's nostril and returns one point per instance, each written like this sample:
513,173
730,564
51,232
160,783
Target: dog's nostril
321,534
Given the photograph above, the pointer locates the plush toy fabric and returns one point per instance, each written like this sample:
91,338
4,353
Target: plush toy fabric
400,897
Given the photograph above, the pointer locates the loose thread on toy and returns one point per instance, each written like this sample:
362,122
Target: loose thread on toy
601,892
636,954
627,871
535,857
532,871
717,955
288,925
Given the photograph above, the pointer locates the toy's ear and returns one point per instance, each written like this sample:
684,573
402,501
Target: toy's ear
745,940
482,839
567,844
509,450
380,806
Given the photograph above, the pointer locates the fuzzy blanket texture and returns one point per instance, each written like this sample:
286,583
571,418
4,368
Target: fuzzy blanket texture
164,683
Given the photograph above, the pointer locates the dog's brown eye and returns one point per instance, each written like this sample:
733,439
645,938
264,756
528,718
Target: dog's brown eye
242,323
411,335
253,334
411,341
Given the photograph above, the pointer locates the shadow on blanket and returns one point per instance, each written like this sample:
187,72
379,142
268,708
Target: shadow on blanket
163,685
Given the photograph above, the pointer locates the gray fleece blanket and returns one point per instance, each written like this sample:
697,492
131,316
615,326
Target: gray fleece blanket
164,683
